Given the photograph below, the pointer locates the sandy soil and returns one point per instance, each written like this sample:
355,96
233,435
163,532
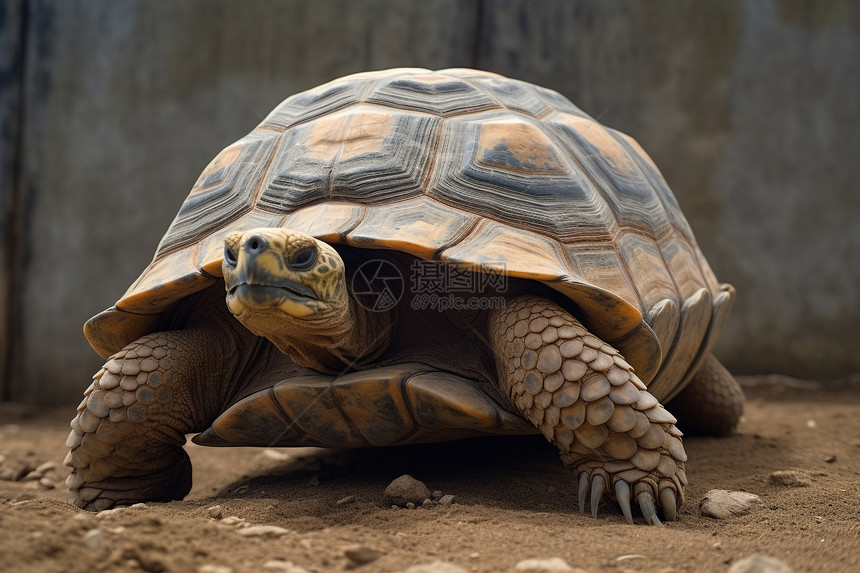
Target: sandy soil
513,501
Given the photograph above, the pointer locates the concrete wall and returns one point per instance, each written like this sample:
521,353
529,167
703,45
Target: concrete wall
110,109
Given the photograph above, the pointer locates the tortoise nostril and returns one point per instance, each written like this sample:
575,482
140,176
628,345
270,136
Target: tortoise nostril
255,244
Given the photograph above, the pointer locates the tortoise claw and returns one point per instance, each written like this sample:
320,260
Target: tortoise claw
646,504
622,493
597,485
583,491
669,504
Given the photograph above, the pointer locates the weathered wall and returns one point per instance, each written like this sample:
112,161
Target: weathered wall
747,107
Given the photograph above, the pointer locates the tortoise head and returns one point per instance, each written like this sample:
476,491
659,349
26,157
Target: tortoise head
290,288
275,274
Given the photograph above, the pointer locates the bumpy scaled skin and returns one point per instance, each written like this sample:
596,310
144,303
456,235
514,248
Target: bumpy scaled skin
126,438
586,399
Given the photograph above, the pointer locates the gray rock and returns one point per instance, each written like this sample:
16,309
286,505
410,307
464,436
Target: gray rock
723,504
436,567
756,563
446,499
406,489
790,478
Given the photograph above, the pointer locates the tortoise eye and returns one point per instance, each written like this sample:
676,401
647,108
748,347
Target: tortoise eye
229,256
304,259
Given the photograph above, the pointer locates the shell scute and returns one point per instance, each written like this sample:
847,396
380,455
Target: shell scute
431,93
318,101
507,169
355,155
420,227
224,192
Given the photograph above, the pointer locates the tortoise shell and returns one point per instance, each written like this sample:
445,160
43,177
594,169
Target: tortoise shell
464,167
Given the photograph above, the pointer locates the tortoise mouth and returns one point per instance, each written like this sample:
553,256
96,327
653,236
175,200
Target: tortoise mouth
268,296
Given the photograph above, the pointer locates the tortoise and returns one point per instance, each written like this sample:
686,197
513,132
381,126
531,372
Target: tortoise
413,256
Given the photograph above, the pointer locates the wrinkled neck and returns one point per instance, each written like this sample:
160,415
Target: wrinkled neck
336,343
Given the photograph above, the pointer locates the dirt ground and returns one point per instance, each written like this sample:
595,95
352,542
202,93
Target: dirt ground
512,501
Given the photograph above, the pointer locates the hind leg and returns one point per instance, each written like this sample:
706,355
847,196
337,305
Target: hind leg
582,395
712,403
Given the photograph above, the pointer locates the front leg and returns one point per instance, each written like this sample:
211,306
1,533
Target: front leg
126,440
588,402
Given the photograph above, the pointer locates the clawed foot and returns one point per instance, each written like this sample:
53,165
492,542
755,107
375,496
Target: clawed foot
648,491
168,484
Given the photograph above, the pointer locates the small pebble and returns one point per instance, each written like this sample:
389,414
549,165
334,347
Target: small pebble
436,567
46,483
759,564
263,531
344,500
15,471
215,512
830,459
723,504
406,489
446,499
232,520
46,467
437,494
284,566
790,478
34,476
314,481
111,512
410,505
214,569
94,539
428,503
242,489
277,455
361,555
553,565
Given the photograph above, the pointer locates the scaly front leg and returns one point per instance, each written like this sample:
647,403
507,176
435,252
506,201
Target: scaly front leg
126,440
588,402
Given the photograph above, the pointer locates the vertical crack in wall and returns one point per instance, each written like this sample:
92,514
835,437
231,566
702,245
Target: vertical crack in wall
14,26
